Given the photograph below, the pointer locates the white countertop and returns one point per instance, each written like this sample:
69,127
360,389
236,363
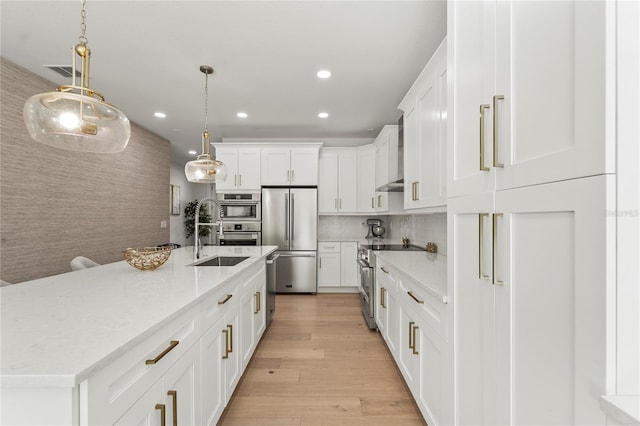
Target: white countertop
430,269
57,330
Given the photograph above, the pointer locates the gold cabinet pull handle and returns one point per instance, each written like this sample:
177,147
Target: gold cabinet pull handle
382,297
235,180
482,166
162,409
372,206
496,281
495,130
410,293
411,342
256,299
240,180
226,344
174,399
172,344
481,274
384,270
230,337
225,300
415,351
259,301
379,200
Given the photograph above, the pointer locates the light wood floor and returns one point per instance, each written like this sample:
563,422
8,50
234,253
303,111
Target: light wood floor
318,364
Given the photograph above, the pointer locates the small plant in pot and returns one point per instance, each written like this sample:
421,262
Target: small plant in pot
190,219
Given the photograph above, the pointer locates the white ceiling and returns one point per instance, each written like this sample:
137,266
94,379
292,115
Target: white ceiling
146,57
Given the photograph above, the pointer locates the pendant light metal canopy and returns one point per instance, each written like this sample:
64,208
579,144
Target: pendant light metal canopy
205,168
75,117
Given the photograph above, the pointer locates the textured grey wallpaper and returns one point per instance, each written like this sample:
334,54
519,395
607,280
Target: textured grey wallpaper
55,204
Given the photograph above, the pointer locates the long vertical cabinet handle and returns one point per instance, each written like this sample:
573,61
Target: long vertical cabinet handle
293,175
495,130
382,297
226,344
286,217
413,333
482,108
372,206
481,274
411,342
162,409
230,337
239,180
235,180
496,281
293,217
174,400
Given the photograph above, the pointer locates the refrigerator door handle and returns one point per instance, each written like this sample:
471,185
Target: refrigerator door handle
286,217
293,221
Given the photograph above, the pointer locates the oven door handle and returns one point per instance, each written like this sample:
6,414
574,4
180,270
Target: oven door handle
363,264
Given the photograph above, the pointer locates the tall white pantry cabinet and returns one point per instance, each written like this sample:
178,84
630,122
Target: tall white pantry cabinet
531,176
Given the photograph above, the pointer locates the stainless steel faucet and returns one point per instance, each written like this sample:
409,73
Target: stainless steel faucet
219,224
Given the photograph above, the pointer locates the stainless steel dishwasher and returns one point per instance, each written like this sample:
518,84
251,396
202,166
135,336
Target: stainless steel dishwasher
272,260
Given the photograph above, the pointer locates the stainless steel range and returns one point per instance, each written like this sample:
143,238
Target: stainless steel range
367,266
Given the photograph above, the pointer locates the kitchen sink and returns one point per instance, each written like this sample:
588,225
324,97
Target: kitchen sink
223,261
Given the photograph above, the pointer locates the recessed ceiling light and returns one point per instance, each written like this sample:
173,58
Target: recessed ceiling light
323,115
160,114
192,152
242,115
323,74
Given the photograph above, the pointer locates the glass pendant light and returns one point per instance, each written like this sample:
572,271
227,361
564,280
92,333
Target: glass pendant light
75,117
205,168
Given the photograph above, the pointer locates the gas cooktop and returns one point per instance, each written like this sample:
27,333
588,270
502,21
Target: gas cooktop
390,247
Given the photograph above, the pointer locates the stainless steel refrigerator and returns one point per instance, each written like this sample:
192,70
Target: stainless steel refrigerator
290,221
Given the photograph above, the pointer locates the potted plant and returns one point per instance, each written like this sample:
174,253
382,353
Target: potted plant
190,219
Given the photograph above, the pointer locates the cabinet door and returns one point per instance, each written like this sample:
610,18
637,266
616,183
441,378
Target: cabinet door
367,161
304,166
248,306
432,368
551,69
393,322
471,55
328,181
550,296
147,411
408,351
329,269
260,315
411,155
249,168
213,380
470,232
229,156
382,160
348,181
276,166
348,264
181,387
381,308
232,362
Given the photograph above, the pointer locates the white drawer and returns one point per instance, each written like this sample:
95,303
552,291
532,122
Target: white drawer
386,276
114,389
429,307
329,246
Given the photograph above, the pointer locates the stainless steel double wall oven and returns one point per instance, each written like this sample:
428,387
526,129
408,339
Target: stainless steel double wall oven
242,219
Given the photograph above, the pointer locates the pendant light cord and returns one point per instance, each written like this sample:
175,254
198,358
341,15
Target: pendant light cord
83,24
206,101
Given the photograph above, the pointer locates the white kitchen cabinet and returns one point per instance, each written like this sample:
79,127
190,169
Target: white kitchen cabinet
243,167
287,165
348,264
366,178
425,135
175,396
529,277
408,352
387,313
338,180
253,316
213,347
337,266
537,74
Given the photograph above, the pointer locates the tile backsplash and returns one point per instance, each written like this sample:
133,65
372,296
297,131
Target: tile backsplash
419,228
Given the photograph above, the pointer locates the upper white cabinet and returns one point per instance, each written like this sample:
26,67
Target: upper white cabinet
338,180
425,135
528,93
366,178
287,165
243,167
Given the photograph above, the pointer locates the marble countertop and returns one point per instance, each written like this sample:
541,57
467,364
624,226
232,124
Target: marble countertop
429,269
57,330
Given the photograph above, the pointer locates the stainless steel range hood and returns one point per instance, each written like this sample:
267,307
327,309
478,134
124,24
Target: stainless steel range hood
396,163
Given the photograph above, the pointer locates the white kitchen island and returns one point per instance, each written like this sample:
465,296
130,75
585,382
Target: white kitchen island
98,346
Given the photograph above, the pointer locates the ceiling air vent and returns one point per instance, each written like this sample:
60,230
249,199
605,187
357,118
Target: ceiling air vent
64,70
